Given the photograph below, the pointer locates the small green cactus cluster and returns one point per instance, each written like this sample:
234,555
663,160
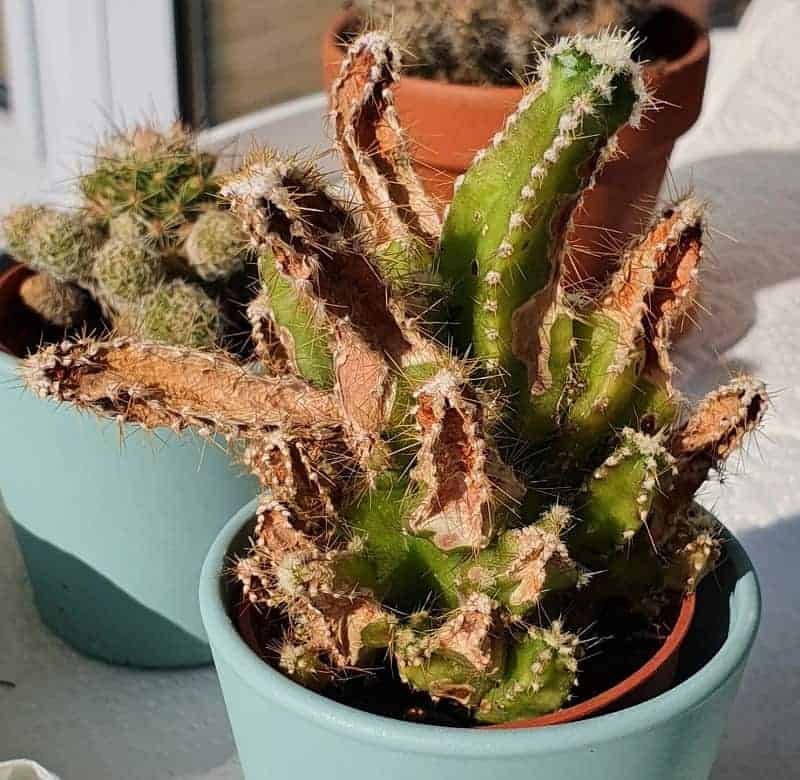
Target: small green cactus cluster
150,241
455,448
479,42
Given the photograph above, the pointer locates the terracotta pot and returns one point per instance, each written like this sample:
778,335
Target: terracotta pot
448,123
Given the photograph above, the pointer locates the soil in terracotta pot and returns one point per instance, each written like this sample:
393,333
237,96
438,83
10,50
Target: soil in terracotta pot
665,36
618,645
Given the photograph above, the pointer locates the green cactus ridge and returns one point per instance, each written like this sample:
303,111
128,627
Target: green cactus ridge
441,480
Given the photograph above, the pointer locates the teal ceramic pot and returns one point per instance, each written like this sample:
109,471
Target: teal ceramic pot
284,731
113,524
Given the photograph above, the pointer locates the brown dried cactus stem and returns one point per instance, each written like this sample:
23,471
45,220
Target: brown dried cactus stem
154,385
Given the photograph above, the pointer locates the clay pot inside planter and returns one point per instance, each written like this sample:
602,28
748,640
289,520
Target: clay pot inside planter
283,730
649,680
113,523
448,123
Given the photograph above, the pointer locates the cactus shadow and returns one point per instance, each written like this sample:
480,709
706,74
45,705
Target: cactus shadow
755,235
761,739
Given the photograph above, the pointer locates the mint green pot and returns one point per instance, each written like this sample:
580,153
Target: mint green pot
113,532
284,731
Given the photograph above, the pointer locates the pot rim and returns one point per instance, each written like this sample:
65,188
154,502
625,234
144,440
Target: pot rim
227,644
8,360
696,53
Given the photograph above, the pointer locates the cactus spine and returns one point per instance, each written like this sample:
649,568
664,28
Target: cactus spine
425,509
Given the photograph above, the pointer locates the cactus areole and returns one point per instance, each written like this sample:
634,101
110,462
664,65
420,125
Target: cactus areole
465,464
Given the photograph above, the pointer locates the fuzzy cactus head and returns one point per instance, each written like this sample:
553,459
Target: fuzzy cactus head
57,243
216,246
176,312
161,178
476,42
454,447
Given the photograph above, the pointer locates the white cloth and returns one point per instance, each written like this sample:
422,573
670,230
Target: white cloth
22,769
744,156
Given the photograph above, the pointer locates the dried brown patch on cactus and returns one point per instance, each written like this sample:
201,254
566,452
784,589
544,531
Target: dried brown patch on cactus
714,430
676,282
300,473
374,148
646,294
286,206
462,474
470,632
155,385
535,550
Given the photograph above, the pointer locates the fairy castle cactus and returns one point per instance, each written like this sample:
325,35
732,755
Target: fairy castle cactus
149,241
476,42
454,446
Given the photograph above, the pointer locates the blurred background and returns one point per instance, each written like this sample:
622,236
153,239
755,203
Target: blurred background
238,68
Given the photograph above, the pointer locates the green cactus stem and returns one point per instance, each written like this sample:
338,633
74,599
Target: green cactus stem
502,242
540,673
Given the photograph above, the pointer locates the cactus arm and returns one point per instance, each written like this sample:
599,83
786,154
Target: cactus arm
619,494
540,673
157,385
458,659
715,430
622,369
501,242
374,150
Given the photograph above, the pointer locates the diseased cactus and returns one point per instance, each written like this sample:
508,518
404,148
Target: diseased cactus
150,241
453,446
476,42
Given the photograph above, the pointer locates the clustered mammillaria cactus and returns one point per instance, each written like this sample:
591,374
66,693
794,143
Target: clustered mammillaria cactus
150,242
476,42
450,440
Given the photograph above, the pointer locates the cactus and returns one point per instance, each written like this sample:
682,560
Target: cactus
150,242
59,304
477,42
434,491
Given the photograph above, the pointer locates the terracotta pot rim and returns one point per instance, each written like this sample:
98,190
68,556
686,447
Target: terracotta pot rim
11,277
437,90
672,645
